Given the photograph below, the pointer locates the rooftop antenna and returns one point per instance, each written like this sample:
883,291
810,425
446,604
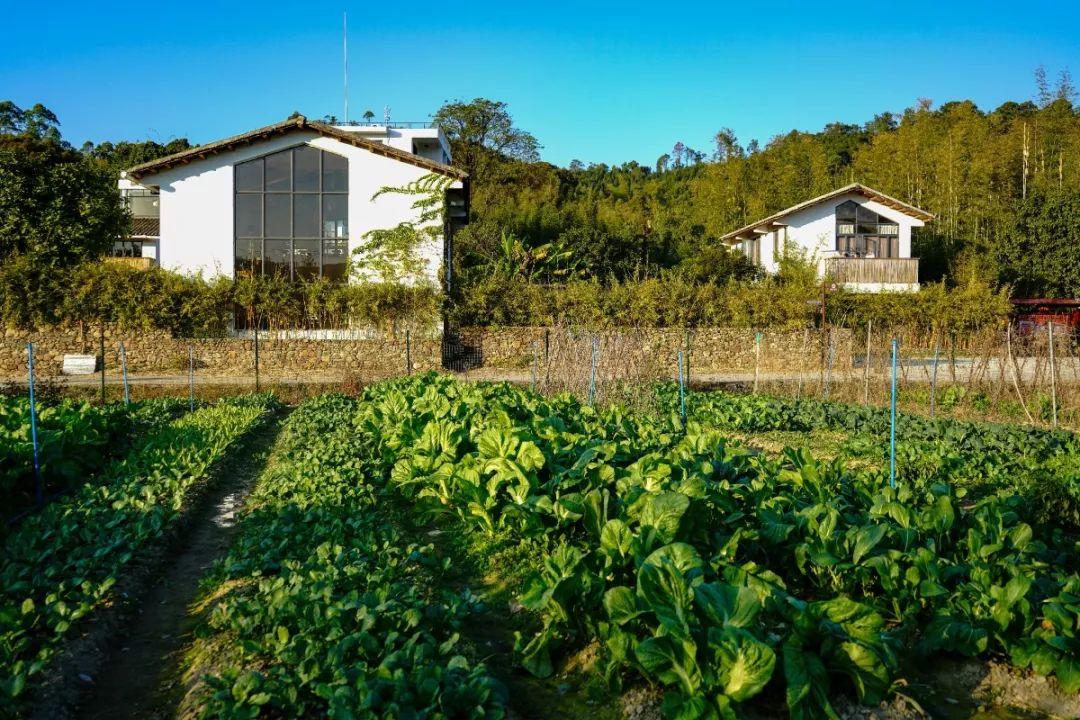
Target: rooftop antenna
345,56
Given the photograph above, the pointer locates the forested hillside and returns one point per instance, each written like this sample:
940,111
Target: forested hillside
595,244
1004,185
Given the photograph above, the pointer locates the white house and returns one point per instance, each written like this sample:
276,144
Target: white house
859,237
294,198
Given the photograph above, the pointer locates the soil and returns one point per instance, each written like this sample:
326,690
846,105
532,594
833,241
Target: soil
138,669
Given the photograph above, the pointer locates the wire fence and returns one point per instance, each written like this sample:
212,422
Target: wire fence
991,374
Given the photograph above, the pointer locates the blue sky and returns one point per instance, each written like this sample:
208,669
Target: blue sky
600,82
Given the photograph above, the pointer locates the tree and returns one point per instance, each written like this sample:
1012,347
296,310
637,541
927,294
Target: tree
116,157
481,127
1040,255
964,165
57,207
368,116
39,122
727,145
1042,87
1065,89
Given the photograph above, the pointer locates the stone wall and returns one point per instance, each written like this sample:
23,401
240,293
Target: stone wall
620,352
155,353
711,350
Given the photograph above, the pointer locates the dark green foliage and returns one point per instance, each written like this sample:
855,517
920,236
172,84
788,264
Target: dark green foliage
718,574
327,606
117,157
1042,466
1040,254
75,441
962,164
62,563
57,208
192,306
786,301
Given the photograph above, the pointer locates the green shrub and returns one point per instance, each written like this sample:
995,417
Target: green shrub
194,306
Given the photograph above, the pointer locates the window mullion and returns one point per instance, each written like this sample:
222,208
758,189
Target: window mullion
318,205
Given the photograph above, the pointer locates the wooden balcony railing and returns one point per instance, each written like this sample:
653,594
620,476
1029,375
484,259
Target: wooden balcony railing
139,263
897,271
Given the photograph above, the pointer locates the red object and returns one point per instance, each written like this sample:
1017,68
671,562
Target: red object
1032,315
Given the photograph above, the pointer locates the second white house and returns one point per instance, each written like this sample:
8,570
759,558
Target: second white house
294,198
859,237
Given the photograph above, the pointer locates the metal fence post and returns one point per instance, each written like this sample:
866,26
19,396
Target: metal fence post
102,345
191,378
686,358
933,374
408,352
256,356
757,360
892,417
536,360
866,365
39,486
1053,376
123,372
592,369
682,388
828,373
805,347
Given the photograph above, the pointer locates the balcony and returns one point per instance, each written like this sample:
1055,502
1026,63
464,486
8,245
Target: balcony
139,263
869,273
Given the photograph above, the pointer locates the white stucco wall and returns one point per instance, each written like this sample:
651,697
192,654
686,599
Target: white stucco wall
197,203
429,142
813,229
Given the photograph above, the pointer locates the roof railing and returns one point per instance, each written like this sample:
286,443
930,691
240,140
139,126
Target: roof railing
409,125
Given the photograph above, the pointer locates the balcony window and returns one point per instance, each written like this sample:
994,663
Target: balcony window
142,203
861,232
292,214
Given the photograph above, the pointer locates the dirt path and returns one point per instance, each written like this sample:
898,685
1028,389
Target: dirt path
140,677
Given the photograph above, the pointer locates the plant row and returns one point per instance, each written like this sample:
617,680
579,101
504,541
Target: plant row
1041,465
324,606
60,565
728,578
75,440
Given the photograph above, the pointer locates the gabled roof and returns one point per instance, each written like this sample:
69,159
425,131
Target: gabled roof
867,192
282,128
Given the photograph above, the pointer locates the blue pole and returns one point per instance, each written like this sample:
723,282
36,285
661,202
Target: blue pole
39,488
191,378
682,390
123,370
892,419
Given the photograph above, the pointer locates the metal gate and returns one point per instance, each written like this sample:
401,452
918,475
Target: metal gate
460,354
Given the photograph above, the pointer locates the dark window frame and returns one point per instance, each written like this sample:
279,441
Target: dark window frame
867,232
327,245
127,248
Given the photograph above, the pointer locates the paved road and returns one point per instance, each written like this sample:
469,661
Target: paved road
912,371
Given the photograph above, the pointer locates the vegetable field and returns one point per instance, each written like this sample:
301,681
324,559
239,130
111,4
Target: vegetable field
737,583
59,566
387,531
75,440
